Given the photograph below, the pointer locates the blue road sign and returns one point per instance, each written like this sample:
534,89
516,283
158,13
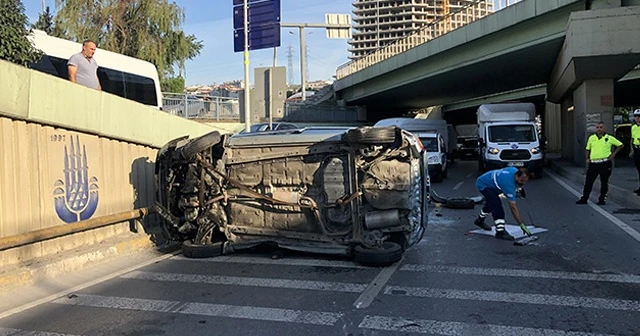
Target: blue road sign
259,13
264,24
260,37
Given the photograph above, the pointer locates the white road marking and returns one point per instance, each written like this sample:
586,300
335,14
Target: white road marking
282,261
204,309
538,299
399,324
374,288
84,285
457,186
18,332
626,228
523,273
248,281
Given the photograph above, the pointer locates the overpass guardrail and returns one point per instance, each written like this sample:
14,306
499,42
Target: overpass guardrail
445,24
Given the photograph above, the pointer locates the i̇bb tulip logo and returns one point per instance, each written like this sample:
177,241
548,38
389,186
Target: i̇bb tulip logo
75,197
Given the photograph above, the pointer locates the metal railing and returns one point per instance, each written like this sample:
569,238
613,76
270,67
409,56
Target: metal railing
207,107
445,24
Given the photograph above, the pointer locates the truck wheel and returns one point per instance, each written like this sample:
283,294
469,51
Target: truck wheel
191,250
189,150
372,135
388,254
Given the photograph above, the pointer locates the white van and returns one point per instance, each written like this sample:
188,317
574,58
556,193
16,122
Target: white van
436,153
121,75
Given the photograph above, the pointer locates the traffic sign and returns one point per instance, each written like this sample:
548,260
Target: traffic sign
263,22
260,37
262,12
338,19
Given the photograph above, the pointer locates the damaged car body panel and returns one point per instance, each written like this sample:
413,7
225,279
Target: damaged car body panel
362,192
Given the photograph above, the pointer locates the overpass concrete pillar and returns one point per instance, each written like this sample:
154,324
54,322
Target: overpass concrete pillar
553,127
568,130
593,102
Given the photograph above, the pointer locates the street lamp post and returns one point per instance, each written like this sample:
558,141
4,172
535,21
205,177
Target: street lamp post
303,47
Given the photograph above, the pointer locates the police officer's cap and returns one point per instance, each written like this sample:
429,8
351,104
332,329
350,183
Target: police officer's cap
636,113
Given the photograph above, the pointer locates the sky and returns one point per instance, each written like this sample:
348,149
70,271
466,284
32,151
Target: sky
212,22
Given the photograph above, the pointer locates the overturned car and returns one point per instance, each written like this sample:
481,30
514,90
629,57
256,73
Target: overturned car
361,192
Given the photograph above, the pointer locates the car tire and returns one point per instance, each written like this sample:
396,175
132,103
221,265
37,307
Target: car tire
389,253
437,177
191,250
372,135
460,203
445,173
190,150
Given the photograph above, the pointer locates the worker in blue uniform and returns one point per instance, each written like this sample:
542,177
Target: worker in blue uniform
491,184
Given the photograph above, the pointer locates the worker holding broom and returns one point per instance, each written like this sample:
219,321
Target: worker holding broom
493,183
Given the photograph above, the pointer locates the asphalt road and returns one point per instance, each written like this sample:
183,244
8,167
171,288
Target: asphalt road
581,278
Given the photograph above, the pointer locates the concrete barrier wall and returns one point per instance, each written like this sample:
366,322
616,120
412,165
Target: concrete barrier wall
69,153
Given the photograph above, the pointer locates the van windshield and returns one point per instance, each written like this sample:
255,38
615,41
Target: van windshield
430,144
512,133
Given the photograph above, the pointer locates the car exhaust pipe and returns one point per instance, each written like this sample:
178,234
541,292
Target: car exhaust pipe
382,219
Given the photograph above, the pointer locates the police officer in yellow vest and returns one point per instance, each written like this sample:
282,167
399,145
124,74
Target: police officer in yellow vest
635,144
599,156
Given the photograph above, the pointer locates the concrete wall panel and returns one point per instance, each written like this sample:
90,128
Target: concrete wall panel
15,83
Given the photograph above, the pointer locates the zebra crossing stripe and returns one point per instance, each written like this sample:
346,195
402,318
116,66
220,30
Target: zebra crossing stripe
387,323
539,299
203,309
620,278
282,261
18,332
248,281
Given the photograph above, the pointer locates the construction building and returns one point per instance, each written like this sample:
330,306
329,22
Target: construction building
379,22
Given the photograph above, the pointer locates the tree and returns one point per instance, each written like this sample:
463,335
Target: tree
14,45
45,22
173,84
145,29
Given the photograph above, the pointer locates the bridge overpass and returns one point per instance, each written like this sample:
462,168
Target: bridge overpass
568,52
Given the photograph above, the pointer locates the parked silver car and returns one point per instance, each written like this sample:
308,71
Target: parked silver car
361,192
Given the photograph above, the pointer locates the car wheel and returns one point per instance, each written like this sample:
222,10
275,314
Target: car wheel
437,177
189,150
372,135
388,254
191,250
460,203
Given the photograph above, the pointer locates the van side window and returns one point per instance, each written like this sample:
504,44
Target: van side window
52,65
127,85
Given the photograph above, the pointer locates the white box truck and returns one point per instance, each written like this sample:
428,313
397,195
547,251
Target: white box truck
435,137
508,137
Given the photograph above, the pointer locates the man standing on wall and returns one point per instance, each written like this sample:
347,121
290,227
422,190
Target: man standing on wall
83,68
599,162
635,144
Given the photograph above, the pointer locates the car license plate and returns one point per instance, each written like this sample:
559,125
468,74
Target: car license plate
516,164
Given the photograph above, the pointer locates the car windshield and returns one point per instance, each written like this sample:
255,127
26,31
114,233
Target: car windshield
430,144
512,133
